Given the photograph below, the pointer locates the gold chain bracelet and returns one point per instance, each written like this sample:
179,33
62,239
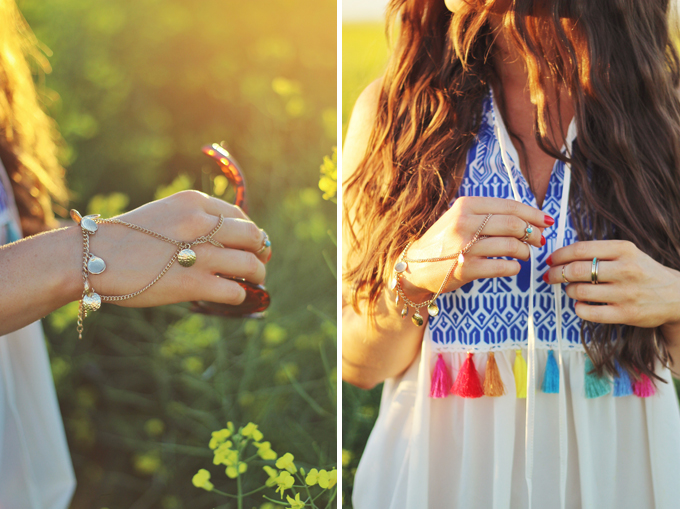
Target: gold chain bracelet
402,264
90,300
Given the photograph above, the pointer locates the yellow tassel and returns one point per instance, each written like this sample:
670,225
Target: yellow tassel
493,384
520,369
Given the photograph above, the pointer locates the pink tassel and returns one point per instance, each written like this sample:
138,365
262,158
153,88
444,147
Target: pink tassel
467,384
644,387
441,379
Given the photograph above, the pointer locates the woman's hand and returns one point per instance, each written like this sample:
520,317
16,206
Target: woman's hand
636,289
457,227
133,259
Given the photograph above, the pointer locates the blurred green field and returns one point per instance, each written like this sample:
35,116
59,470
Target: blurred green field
137,88
364,56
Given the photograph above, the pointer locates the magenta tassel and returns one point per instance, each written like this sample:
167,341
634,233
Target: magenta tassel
441,379
644,387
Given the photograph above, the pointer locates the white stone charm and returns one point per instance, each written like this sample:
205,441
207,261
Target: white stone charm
95,265
88,224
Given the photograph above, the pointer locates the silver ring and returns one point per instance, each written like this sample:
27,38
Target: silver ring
594,271
265,243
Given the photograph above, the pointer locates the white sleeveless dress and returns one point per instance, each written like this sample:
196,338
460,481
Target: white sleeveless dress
548,450
35,465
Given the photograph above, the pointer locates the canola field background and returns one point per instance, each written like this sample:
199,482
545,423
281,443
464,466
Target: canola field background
137,88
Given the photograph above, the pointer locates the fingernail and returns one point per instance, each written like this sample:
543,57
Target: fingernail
545,277
548,220
549,260
542,240
270,256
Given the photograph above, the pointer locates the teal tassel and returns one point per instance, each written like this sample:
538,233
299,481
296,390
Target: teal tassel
12,233
622,384
551,377
595,386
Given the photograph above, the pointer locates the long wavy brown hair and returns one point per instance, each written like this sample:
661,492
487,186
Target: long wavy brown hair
29,141
618,62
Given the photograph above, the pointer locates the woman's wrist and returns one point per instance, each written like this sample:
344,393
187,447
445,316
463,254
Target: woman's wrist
68,287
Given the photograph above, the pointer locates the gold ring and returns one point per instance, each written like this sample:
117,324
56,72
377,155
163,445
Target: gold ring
564,278
594,271
527,231
265,243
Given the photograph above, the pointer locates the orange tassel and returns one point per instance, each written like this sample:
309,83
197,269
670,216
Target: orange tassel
493,384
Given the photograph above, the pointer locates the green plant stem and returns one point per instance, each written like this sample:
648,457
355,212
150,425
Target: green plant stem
274,501
239,490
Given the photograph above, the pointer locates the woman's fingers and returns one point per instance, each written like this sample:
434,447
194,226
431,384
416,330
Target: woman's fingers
479,268
587,292
502,206
231,262
219,289
582,271
242,234
501,246
512,226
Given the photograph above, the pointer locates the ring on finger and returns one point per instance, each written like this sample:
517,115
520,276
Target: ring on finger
564,278
265,243
527,231
594,271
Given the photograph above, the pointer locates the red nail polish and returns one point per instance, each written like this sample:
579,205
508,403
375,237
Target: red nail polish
549,260
545,277
542,240
548,220
270,256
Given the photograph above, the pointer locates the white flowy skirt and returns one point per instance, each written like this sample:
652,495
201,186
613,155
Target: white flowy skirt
424,453
35,465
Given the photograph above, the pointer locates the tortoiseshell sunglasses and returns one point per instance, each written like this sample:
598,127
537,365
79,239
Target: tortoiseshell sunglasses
257,297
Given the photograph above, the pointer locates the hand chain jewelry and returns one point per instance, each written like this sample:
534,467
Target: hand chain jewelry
401,266
91,300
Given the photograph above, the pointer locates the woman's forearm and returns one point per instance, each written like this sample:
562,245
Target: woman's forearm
38,275
379,347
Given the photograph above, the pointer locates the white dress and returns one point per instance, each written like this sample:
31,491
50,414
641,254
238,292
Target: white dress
35,465
548,450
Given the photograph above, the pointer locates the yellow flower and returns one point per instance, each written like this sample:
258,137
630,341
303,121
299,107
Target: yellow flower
295,503
285,482
312,477
202,480
273,475
264,449
218,437
225,455
233,472
332,478
324,479
250,430
285,462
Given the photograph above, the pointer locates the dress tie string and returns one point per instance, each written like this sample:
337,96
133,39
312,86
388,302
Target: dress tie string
505,146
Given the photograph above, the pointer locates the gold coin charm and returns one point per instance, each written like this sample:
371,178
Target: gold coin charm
400,267
186,257
393,283
432,310
92,302
417,319
75,215
404,312
396,300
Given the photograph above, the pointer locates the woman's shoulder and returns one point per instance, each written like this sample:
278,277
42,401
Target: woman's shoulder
360,127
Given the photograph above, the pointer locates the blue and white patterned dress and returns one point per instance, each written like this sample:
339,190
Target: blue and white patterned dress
545,451
35,464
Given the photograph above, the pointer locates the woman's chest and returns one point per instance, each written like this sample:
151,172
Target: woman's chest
490,314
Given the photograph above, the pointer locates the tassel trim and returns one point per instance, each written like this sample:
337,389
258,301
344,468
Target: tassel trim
644,388
551,377
520,371
467,384
441,383
622,383
595,386
493,383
